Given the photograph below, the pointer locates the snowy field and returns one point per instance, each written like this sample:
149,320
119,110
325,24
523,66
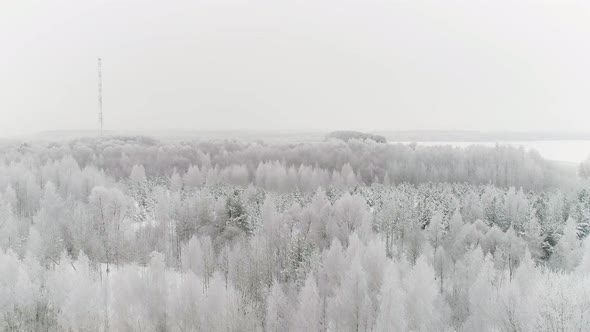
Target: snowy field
571,151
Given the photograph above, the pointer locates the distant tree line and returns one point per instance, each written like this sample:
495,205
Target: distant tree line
350,135
313,164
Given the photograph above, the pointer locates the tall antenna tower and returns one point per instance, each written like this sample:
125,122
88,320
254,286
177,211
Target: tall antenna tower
100,94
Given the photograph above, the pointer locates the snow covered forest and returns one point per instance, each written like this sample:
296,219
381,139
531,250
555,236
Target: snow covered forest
136,234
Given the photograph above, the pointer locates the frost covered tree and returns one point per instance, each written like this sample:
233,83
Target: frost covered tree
350,308
567,251
137,174
584,169
277,310
109,208
482,300
392,315
308,315
424,306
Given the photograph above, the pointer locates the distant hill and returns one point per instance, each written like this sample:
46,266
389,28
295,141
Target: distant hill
348,135
285,136
270,136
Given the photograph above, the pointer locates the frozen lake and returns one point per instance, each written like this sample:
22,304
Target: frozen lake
559,150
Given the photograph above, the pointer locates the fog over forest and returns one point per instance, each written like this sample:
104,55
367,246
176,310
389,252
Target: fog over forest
137,234
305,166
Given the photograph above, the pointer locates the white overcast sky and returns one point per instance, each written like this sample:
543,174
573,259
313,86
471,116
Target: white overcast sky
299,64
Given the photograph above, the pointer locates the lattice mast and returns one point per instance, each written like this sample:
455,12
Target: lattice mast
100,94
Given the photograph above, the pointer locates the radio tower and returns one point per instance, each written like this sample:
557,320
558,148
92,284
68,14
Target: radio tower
100,94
